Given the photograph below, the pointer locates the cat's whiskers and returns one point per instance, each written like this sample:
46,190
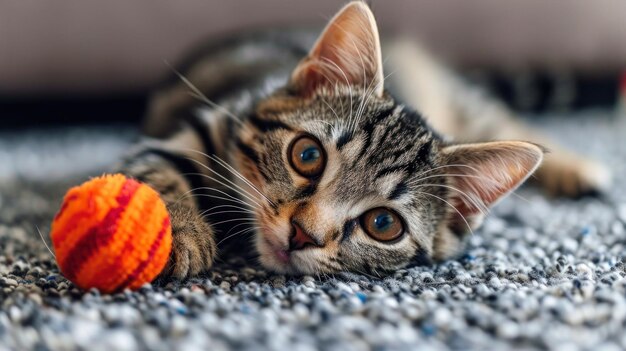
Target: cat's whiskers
342,120
231,185
339,120
237,174
353,118
231,169
239,225
419,182
227,167
226,211
445,166
44,242
353,125
369,90
210,210
369,95
363,78
453,207
247,220
253,204
323,266
199,95
377,275
364,273
332,126
477,203
494,182
329,260
241,232
361,109
230,198
415,181
348,84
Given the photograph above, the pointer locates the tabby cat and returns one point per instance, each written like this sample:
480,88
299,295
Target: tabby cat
323,163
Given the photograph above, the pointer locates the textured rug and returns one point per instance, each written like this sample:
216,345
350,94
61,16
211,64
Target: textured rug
541,274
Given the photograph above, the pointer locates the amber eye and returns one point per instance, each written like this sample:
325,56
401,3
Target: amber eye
382,224
307,157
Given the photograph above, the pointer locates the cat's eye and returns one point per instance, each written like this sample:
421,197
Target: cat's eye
382,224
307,156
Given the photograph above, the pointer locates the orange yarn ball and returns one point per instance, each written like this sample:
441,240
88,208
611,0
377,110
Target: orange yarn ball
112,233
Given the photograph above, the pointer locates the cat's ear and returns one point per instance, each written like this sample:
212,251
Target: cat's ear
481,174
347,52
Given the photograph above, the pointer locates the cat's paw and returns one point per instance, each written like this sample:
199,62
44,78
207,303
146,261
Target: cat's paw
193,245
188,258
564,174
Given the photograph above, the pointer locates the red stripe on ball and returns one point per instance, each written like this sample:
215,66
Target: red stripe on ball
100,234
153,248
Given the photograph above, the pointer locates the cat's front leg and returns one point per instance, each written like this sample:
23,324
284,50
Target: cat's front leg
193,244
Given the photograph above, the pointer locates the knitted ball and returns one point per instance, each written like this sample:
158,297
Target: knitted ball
111,233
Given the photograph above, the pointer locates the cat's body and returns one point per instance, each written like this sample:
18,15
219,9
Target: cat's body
319,166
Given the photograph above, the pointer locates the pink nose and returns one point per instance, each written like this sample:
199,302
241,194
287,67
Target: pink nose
300,239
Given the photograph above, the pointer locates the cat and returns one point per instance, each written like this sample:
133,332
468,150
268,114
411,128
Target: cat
326,165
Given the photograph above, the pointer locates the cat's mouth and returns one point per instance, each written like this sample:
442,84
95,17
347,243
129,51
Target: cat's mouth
274,249
282,255
279,252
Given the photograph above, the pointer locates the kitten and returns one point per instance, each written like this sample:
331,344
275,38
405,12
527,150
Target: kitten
312,159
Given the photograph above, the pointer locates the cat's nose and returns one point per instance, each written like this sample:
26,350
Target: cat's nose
300,239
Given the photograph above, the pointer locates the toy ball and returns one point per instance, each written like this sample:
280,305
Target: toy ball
111,233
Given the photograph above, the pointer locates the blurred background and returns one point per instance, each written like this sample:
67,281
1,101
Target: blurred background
78,73
118,48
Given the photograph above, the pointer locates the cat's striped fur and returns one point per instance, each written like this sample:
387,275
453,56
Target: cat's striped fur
222,165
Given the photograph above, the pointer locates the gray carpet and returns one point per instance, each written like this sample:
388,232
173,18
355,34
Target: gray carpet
540,274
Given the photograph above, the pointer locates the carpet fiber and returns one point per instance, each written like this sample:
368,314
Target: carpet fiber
540,274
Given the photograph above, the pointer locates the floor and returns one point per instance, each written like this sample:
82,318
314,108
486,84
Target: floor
540,274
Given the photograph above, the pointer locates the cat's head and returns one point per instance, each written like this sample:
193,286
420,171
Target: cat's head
357,180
